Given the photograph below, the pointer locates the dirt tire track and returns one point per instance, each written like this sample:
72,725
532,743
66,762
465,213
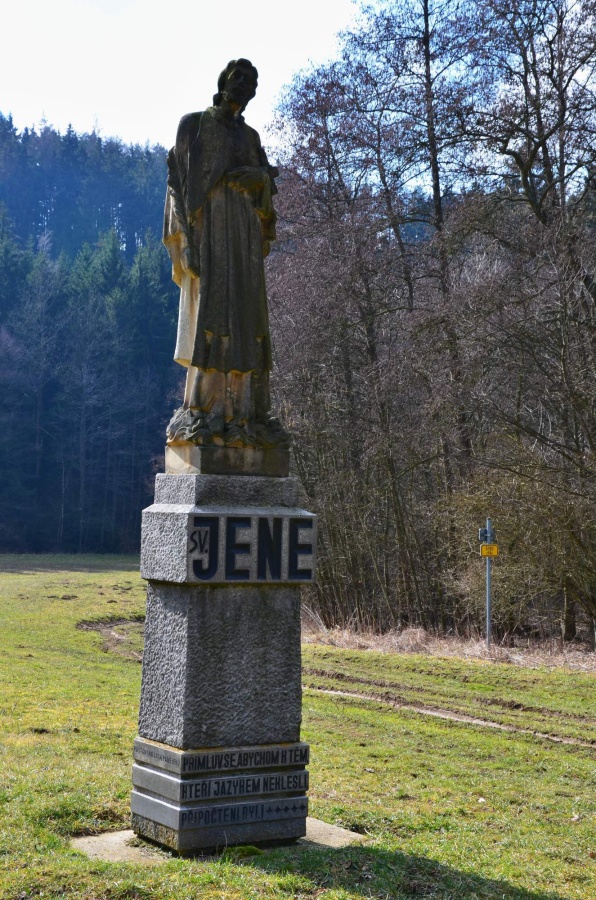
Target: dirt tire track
438,713
486,701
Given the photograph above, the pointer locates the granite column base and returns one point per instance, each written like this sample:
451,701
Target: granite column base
218,760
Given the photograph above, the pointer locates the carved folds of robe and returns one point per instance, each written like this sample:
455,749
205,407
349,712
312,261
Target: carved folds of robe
217,236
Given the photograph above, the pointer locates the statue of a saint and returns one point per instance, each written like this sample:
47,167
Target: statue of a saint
219,222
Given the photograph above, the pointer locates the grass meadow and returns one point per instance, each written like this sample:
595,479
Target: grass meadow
503,806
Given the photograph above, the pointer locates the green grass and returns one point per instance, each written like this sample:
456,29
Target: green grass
451,810
550,701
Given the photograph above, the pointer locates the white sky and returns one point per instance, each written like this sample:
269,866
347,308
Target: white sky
132,68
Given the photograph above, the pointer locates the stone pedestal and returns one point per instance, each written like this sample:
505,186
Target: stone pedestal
218,759
184,458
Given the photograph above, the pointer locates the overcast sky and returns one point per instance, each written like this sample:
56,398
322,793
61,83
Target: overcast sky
132,68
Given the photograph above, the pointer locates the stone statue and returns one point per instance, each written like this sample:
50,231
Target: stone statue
219,223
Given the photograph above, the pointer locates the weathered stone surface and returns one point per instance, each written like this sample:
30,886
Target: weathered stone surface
170,550
198,790
186,842
164,542
219,222
216,545
229,490
218,759
209,789
122,846
221,666
189,459
187,818
154,753
223,759
118,846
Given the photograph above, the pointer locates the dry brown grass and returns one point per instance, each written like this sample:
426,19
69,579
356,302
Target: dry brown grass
575,656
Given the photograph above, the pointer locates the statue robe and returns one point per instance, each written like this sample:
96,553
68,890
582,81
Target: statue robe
217,237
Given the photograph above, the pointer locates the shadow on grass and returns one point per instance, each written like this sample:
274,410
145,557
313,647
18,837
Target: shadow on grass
370,872
21,563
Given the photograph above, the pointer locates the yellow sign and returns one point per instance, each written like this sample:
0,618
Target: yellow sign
489,549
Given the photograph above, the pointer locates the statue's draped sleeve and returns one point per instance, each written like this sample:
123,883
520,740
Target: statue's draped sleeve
178,228
178,239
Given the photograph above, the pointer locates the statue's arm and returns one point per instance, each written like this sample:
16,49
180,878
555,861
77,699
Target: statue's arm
259,183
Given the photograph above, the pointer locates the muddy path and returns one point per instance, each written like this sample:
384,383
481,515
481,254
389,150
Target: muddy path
393,686
438,713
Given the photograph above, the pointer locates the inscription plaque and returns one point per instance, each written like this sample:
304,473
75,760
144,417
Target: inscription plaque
173,788
251,548
184,817
210,797
189,762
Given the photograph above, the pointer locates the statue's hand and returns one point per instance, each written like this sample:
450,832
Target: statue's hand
246,178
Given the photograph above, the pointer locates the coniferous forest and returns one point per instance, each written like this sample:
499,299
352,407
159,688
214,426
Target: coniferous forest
87,320
433,310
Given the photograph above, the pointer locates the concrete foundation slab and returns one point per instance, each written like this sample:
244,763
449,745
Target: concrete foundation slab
125,846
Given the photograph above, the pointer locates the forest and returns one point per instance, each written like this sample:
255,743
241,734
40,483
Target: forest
87,319
432,300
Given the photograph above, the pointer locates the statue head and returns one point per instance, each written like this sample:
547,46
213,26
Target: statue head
237,83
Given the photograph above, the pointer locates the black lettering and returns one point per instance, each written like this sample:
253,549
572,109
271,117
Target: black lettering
296,549
269,549
203,539
234,547
208,525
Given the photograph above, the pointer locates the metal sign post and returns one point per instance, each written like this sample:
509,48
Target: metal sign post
488,549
